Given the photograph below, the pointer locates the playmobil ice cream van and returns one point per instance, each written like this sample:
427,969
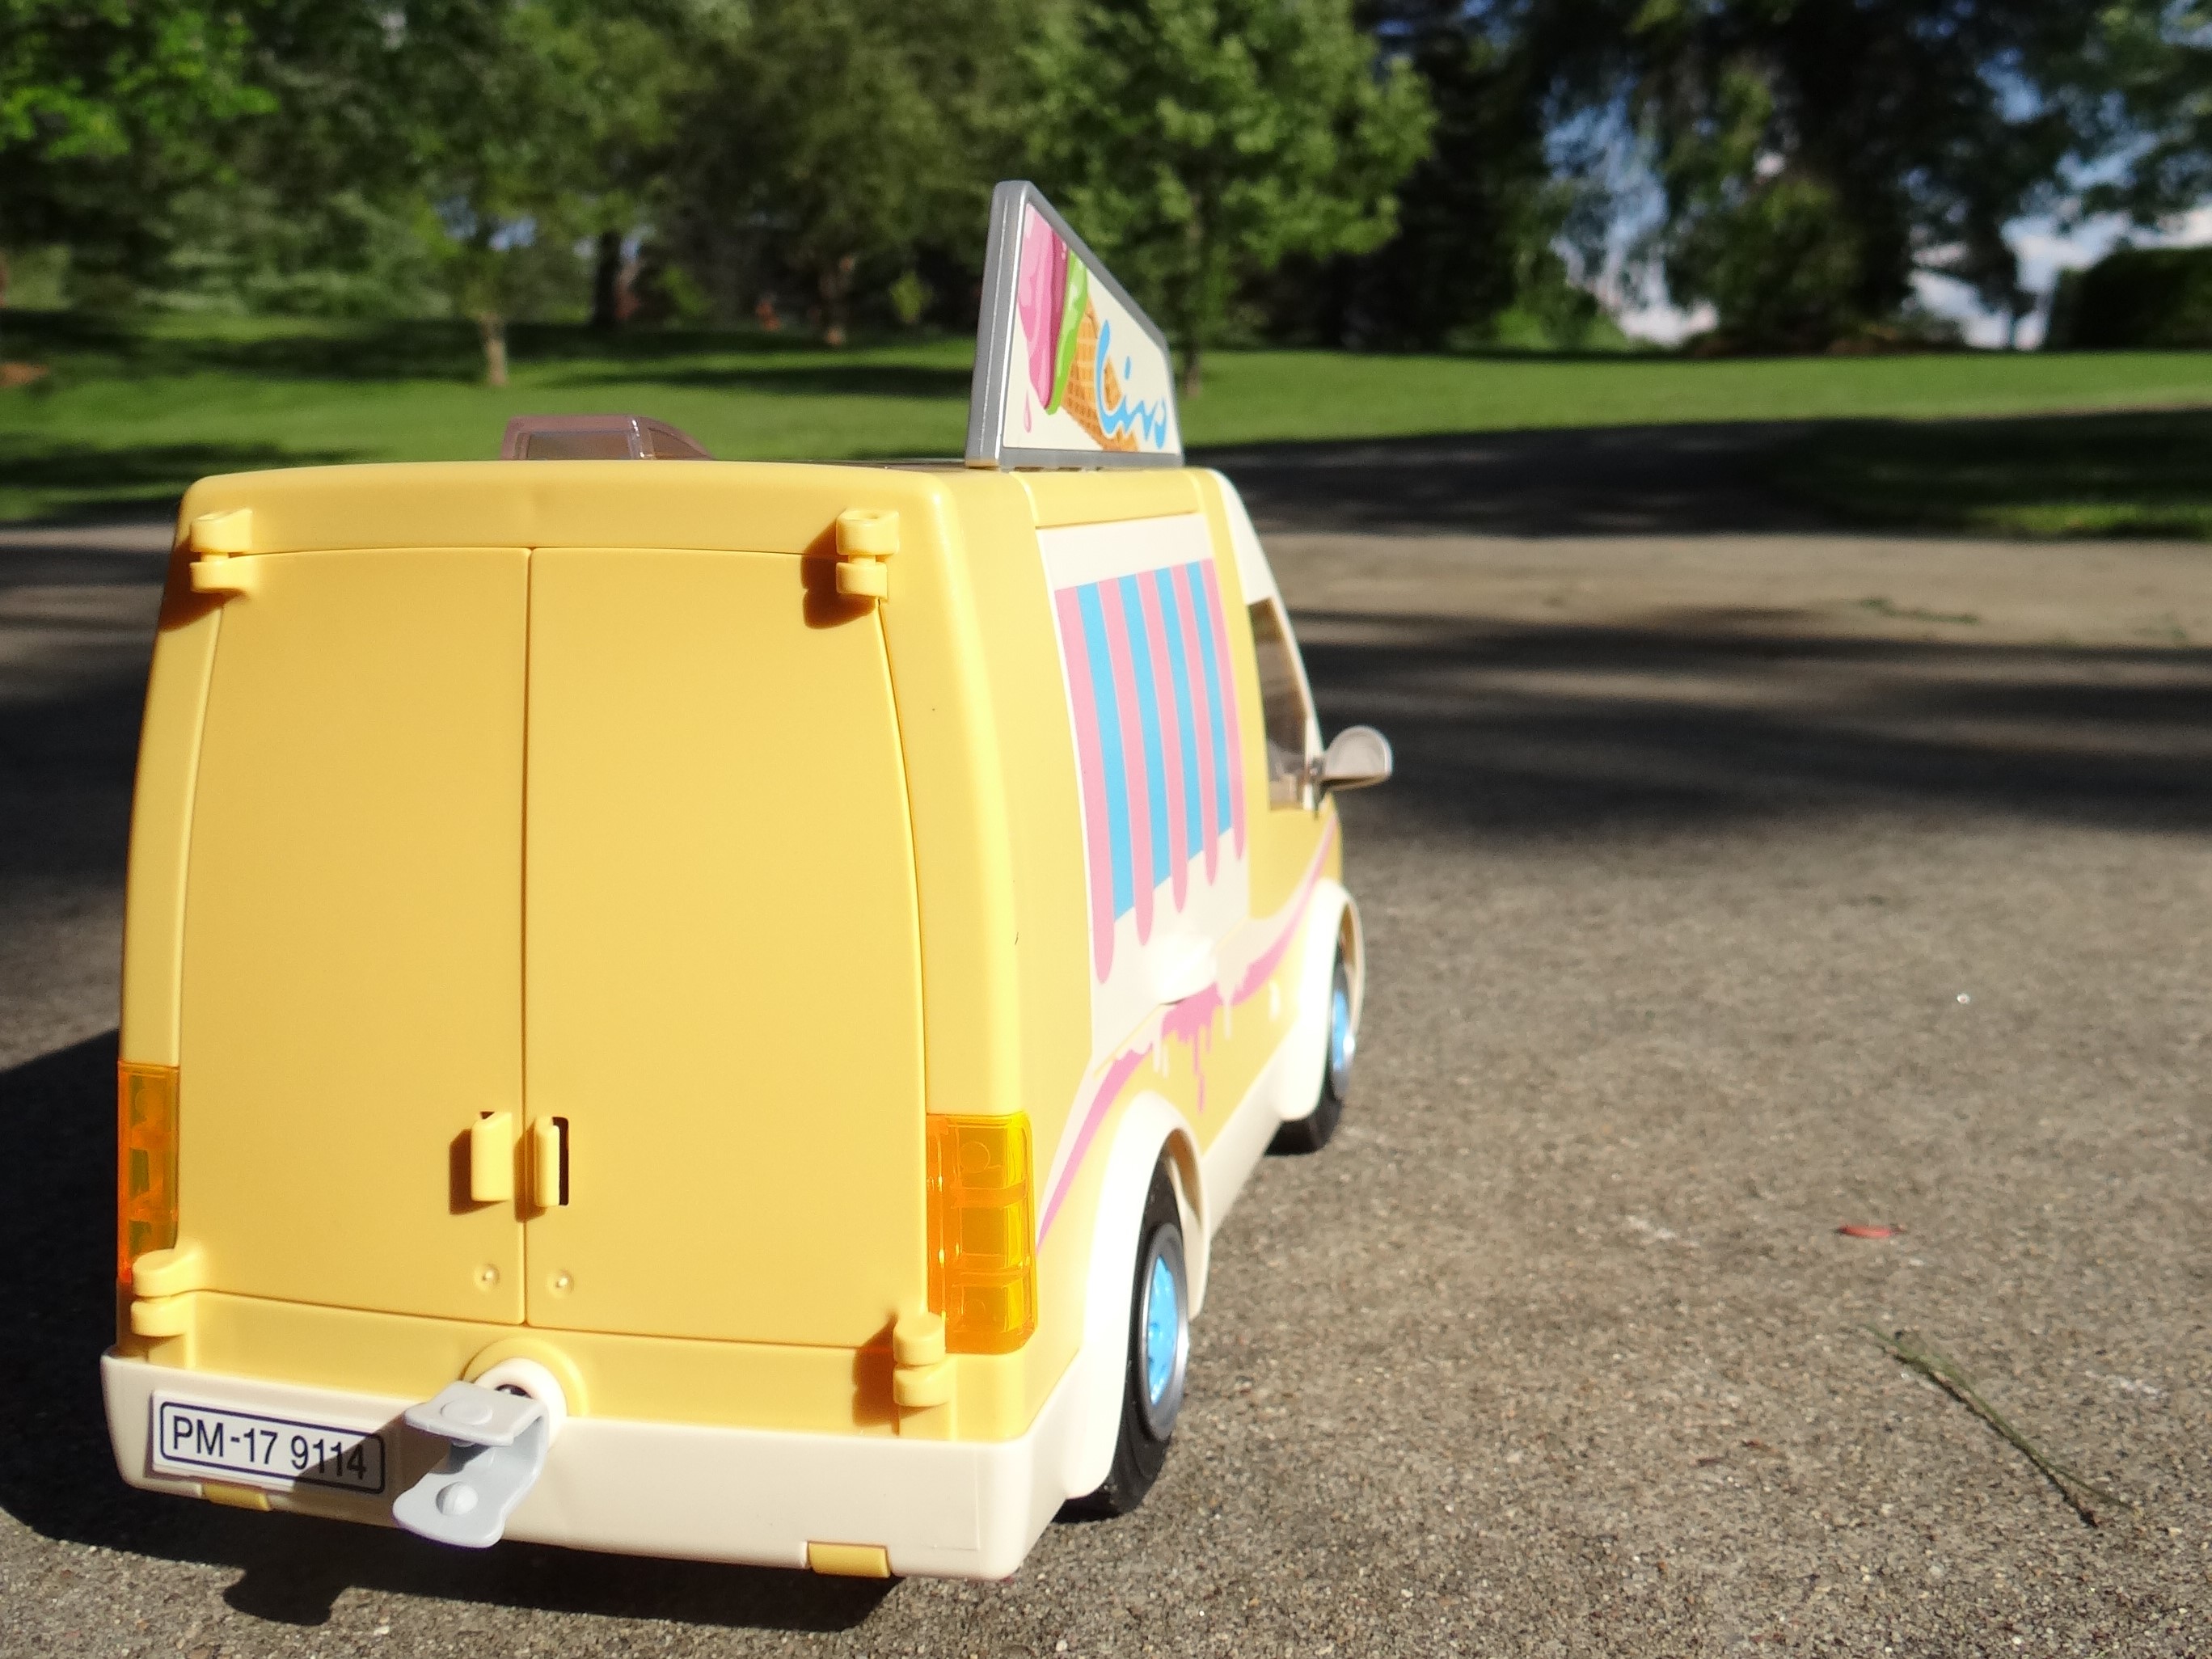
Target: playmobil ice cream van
715,1010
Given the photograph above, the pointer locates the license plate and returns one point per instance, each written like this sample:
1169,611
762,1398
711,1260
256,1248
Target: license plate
197,1440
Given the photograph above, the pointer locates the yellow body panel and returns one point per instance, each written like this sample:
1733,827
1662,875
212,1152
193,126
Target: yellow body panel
352,989
161,819
1059,498
718,750
723,967
810,1389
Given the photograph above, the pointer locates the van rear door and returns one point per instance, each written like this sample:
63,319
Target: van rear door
723,977
351,998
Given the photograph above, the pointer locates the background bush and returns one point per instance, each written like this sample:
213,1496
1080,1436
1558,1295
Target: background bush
2138,298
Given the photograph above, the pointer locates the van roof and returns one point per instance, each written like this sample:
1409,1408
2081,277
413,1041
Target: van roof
732,506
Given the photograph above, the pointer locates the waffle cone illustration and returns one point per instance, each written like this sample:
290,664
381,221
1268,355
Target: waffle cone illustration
1081,398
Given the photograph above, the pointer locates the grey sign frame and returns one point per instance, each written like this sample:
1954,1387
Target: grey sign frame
994,344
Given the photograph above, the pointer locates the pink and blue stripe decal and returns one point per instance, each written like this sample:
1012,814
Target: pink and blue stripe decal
1148,709
1174,739
1145,873
1156,735
1198,681
1232,798
1176,624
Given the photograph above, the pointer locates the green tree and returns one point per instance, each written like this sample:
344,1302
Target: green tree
622,78
825,141
320,207
1816,154
106,107
1478,216
535,136
1196,144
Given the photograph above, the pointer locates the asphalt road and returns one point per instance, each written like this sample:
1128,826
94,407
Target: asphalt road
1734,886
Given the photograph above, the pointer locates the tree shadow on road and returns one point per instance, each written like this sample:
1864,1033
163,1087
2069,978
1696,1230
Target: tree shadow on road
57,1476
1708,479
1699,721
2123,472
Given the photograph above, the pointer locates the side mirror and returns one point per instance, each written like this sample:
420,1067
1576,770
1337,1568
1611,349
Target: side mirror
1359,755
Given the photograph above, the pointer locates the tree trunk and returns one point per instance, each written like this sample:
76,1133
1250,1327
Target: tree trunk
606,282
835,285
493,327
1192,377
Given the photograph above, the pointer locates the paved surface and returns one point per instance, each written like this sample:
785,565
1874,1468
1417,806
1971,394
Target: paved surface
1732,889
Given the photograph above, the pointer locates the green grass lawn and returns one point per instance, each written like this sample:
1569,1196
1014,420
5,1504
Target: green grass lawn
130,414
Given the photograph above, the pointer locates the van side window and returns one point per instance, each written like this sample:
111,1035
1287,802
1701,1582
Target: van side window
1283,702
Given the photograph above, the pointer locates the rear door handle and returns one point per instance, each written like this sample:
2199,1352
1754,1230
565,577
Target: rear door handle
548,1161
492,1157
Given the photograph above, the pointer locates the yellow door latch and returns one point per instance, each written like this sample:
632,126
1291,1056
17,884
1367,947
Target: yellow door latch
492,1157
548,1161
865,537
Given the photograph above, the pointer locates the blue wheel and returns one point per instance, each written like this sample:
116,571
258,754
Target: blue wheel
1343,1036
1159,1356
1163,1332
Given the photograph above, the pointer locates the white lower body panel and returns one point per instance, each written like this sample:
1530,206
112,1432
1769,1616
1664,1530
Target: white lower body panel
953,1509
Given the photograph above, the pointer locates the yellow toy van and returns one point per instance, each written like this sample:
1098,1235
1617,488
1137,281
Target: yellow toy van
715,1010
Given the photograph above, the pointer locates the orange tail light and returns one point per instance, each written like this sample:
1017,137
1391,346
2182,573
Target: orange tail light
983,1232
145,1163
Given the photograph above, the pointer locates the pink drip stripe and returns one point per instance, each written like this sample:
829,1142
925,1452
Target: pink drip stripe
1124,1064
1089,761
1228,705
1163,699
1144,870
1201,710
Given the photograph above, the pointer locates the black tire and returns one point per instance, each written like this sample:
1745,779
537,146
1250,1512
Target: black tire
1313,1132
1150,1403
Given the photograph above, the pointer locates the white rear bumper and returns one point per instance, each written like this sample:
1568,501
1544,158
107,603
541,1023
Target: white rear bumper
955,1509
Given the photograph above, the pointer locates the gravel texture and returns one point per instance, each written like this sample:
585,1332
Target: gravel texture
1732,889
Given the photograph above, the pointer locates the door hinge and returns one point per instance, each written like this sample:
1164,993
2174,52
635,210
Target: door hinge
222,543
865,537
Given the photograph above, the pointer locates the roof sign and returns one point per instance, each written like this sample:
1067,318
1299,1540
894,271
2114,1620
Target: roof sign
1069,371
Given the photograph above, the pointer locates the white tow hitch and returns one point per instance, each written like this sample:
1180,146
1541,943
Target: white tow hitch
498,1444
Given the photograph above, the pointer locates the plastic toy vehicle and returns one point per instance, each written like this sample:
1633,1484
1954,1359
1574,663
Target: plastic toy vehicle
714,1010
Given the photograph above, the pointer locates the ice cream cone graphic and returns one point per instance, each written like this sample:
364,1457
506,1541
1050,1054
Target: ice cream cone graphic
1081,398
1069,365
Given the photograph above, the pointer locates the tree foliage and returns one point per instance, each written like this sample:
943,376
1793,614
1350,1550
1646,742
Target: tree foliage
1480,215
106,107
823,142
1399,173
1196,144
1816,154
2137,299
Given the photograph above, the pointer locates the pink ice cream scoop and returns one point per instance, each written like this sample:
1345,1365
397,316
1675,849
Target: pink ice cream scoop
1040,296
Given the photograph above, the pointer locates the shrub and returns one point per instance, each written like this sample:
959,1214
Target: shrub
2138,298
